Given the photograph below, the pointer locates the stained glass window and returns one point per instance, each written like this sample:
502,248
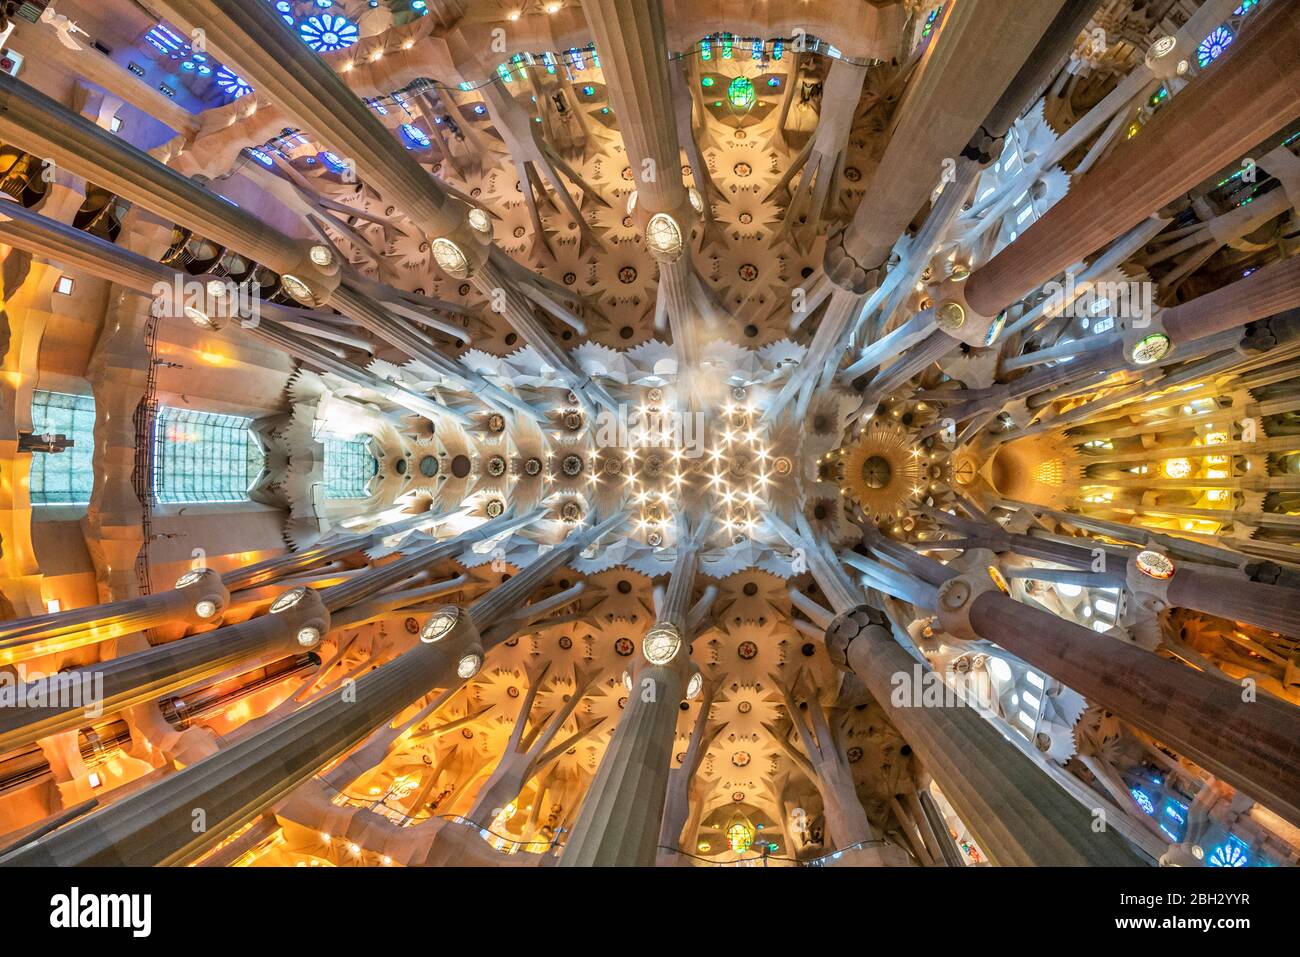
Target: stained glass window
204,456
1143,800
1228,854
232,84
741,93
348,465
327,32
1209,49
414,137
63,478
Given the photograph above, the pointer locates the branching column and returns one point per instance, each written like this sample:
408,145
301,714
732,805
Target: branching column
176,819
622,814
1015,812
1170,155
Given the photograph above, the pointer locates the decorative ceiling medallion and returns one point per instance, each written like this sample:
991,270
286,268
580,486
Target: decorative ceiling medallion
1155,565
661,644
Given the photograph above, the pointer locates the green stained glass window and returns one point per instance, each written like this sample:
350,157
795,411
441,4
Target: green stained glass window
204,456
741,93
348,465
63,478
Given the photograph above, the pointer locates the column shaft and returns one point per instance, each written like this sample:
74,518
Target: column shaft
1254,745
1170,155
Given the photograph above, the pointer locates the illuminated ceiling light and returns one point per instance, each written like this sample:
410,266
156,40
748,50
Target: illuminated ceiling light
469,665
627,681
450,258
697,201
999,579
288,600
308,636
1162,47
663,237
1154,565
661,644
479,220
631,201
693,686
296,288
199,317
189,578
440,625
1178,468
552,8
950,315
1151,349
321,255
206,608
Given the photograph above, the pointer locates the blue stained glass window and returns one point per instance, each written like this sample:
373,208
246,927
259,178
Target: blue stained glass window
1228,854
63,478
348,465
1245,7
204,456
232,84
414,137
1209,49
929,21
1143,800
327,32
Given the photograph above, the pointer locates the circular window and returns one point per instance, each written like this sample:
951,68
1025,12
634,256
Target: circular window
429,466
460,466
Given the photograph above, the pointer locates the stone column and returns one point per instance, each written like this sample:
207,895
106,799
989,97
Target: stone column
622,814
1269,290
178,818
305,86
1018,816
979,48
1170,155
677,806
1254,745
1224,592
33,121
298,619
